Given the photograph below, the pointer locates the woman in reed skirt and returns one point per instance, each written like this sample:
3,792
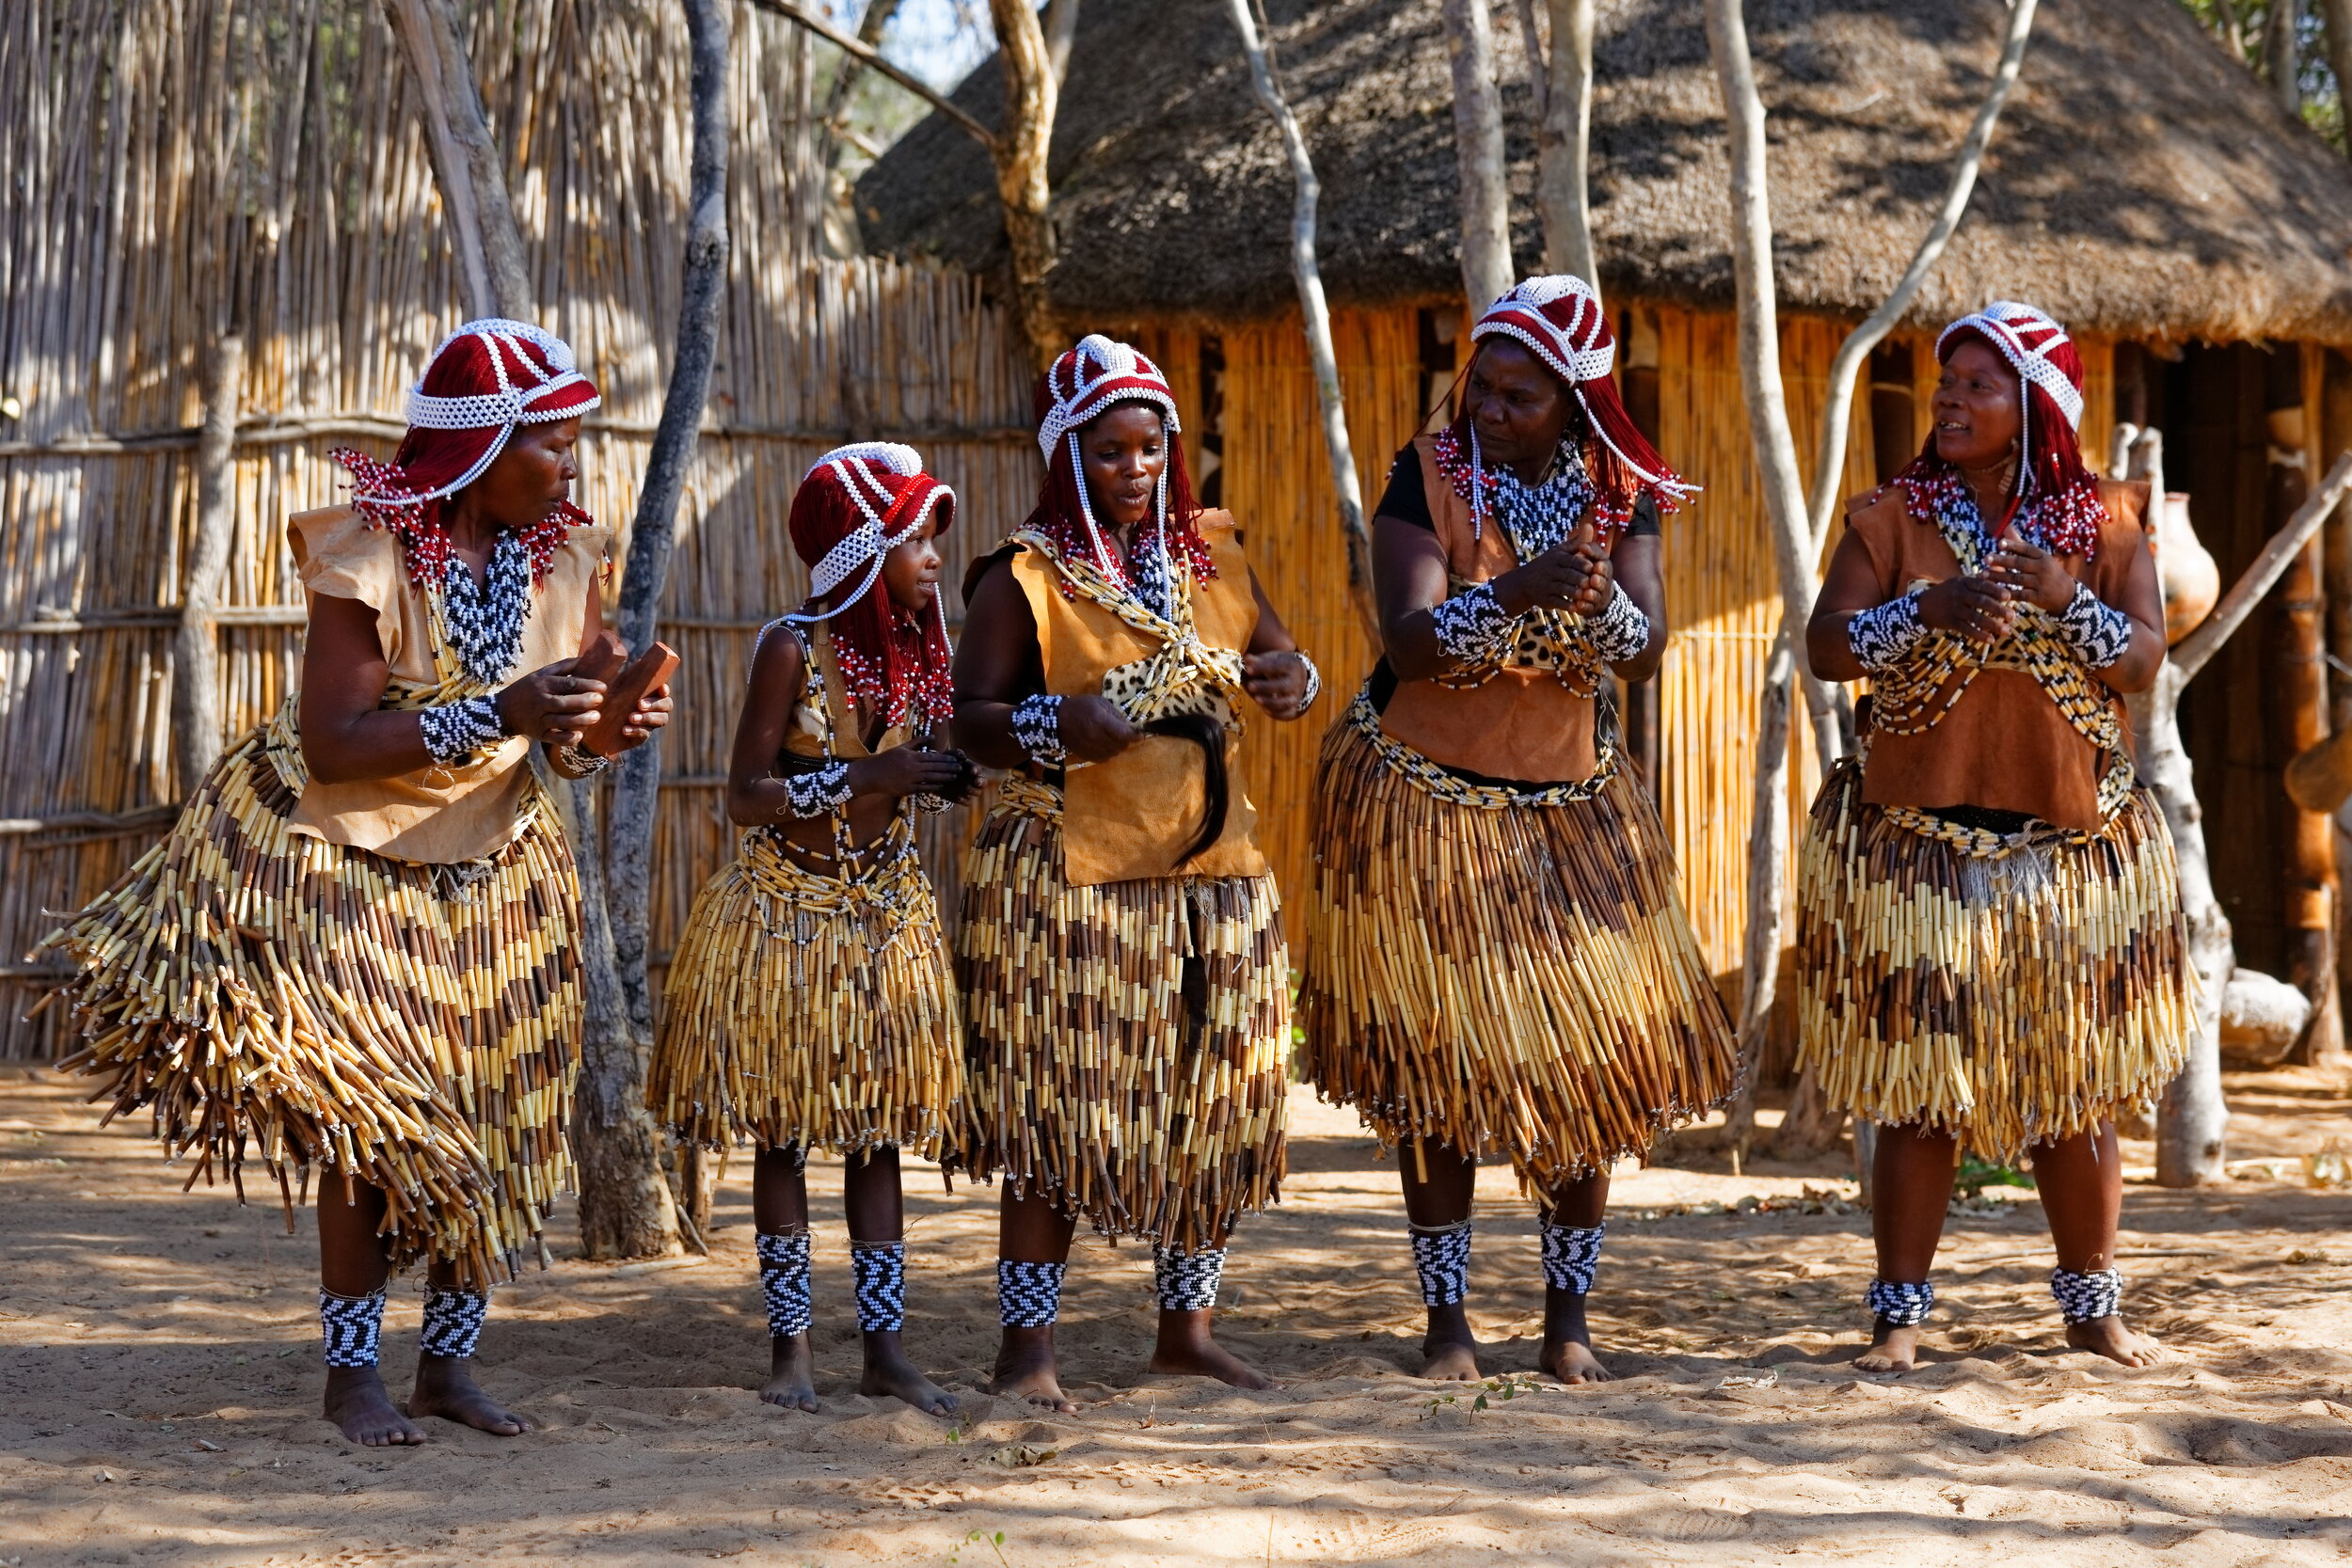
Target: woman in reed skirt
1991,954
356,953
1497,960
1120,954
809,1004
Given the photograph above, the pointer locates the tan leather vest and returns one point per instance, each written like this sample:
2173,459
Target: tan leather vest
1524,724
2004,746
1130,817
825,705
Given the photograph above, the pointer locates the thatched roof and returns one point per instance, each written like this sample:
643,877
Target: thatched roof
2140,183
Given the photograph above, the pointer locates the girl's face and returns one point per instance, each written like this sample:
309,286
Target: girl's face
910,572
1977,406
1125,449
1517,406
531,477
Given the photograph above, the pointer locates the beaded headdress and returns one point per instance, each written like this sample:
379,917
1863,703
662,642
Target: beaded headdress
484,380
2057,501
1082,383
855,505
1559,319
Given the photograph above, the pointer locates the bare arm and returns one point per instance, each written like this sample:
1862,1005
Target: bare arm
1638,567
756,796
997,665
1273,673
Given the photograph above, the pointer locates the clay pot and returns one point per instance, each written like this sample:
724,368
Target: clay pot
2192,583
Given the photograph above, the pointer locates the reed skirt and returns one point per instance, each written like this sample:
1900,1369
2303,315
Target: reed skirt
2007,999
1127,1046
1514,979
269,996
809,1009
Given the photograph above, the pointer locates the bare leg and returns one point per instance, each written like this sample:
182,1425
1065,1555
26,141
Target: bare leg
1187,1346
2081,1182
1567,1353
877,1215
1910,1181
1439,1183
780,1208
1032,1228
445,1385
352,1263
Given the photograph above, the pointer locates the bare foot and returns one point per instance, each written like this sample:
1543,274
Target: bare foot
791,1374
1567,1353
356,1401
889,1371
1894,1348
1025,1367
2107,1337
1449,1351
445,1387
1186,1349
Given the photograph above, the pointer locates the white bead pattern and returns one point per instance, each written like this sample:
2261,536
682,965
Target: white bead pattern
1620,631
1037,728
456,731
484,621
1472,626
2099,633
1884,635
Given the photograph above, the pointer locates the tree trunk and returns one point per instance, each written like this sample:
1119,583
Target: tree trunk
1032,95
2282,54
2337,15
196,721
2335,438
467,164
1562,84
1469,46
634,1214
1060,25
1337,446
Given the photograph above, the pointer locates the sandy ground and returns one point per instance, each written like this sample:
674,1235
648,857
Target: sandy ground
161,1386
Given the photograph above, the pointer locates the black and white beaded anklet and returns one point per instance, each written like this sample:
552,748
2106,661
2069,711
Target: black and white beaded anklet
1441,1254
453,1322
1028,1295
1572,1257
1899,1304
879,1270
2086,1297
784,1281
352,1328
1186,1281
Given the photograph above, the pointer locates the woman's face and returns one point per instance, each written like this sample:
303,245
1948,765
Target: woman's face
910,572
1977,411
1124,448
530,478
1518,407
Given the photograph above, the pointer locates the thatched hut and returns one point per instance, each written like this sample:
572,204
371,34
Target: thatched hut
2141,186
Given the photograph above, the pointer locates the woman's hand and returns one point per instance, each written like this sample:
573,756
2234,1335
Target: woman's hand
1978,609
1277,682
1094,728
651,713
912,769
2033,574
1574,575
557,707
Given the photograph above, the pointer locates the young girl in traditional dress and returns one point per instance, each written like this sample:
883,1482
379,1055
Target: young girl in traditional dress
1991,954
809,1004
1121,953
356,955
1496,958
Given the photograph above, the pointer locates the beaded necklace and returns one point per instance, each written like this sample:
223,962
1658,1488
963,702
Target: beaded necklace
484,621
2062,525
1535,518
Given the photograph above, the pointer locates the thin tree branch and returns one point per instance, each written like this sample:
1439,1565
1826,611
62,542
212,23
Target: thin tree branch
2197,649
1061,29
468,163
1829,465
1313,307
834,127
873,58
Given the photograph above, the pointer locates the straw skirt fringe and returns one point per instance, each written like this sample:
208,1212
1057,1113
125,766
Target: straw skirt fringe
271,997
2004,1000
1521,979
803,1009
1126,1046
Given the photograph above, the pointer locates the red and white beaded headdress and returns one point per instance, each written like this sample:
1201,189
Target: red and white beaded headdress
1559,319
1081,385
855,505
485,379
2057,496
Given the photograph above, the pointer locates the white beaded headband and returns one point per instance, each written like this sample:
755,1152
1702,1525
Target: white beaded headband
2001,322
503,409
853,467
1125,376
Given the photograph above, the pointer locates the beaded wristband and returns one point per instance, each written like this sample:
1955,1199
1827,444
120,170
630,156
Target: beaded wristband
1314,684
1881,637
1472,626
1620,631
454,731
808,795
2099,633
579,762
1037,728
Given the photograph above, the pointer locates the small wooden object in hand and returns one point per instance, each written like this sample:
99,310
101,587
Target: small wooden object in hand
647,672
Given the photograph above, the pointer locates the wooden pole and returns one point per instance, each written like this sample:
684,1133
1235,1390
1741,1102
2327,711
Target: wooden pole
467,164
1337,450
195,719
1032,97
1470,47
1562,82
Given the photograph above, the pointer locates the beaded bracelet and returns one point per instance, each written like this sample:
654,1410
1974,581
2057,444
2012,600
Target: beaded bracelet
2099,633
808,795
454,731
1620,631
1880,637
1472,626
1037,728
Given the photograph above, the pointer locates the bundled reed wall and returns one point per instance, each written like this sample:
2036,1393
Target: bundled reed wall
169,169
